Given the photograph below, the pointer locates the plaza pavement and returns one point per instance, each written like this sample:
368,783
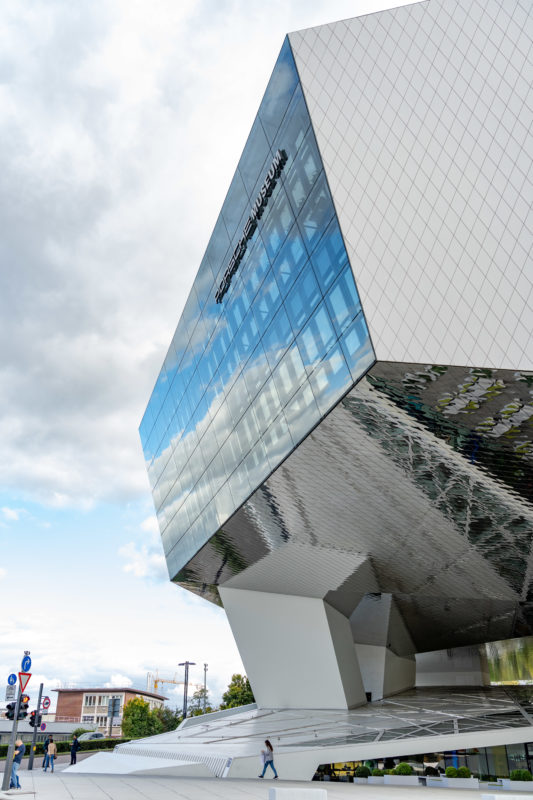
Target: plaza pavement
72,786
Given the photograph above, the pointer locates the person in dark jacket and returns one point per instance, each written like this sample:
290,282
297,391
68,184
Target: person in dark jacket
45,750
74,747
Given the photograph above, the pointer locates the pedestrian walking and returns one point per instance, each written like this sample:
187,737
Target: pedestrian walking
268,758
45,750
20,749
74,747
51,754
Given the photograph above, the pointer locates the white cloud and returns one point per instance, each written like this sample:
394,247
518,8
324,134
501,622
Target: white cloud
150,525
3,573
144,561
116,157
12,513
117,681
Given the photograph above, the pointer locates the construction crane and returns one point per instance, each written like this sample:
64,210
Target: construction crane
153,680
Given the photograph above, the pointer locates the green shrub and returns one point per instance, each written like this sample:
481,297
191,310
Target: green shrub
362,771
388,772
463,772
521,775
451,772
403,768
378,773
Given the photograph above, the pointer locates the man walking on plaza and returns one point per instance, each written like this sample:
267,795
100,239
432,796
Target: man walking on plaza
19,752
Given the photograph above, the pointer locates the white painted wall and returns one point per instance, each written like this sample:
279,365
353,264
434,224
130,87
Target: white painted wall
429,161
460,666
297,651
383,672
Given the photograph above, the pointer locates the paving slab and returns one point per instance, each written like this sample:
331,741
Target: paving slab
70,786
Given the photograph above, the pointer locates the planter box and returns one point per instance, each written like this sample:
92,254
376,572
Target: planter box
436,783
517,786
463,783
376,779
400,780
364,781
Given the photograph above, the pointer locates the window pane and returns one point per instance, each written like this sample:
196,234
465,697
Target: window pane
302,299
256,371
289,375
301,413
278,220
357,348
266,302
278,441
342,300
316,338
303,172
330,256
277,338
290,260
316,214
330,380
267,405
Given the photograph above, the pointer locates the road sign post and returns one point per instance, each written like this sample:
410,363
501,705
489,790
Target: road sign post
24,679
34,737
11,692
23,682
113,708
11,747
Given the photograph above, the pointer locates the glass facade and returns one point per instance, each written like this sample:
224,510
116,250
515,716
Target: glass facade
271,337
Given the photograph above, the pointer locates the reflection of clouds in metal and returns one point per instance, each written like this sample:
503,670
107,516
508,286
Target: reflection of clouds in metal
496,521
221,439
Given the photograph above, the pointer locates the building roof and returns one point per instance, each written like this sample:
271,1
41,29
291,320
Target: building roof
113,689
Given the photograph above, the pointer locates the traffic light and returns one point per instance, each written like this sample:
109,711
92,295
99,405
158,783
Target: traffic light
34,720
23,710
10,710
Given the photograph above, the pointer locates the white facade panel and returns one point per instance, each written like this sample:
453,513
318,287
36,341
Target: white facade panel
423,116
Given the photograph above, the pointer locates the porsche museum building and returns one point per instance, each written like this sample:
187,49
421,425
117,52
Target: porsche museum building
339,442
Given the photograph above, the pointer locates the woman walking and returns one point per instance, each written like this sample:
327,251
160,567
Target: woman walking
51,754
268,758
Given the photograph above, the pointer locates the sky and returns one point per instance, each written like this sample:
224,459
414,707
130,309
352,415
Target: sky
121,123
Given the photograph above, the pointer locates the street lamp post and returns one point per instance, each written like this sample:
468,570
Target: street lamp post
205,686
186,664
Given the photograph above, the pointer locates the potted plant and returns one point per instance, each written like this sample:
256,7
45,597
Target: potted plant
377,776
460,778
519,780
402,775
361,774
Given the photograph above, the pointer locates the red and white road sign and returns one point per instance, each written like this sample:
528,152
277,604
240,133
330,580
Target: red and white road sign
24,678
45,702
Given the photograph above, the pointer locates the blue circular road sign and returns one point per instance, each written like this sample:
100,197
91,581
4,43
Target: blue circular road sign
12,679
26,664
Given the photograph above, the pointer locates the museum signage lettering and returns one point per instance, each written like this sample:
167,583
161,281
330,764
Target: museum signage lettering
256,212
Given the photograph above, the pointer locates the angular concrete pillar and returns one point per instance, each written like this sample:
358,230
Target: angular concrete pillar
298,652
385,650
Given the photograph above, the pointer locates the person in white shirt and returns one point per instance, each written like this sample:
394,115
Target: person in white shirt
268,758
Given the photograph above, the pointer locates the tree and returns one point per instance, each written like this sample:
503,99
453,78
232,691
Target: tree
238,693
169,719
139,721
196,705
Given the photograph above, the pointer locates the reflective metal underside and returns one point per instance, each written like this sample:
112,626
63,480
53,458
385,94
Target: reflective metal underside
425,472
